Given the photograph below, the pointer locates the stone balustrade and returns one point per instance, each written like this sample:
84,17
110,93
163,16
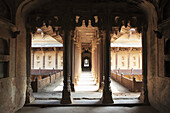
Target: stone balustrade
131,84
38,84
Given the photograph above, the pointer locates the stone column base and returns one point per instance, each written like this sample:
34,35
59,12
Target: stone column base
107,97
66,98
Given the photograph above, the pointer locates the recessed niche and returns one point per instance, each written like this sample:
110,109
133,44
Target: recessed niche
3,69
167,68
167,47
4,49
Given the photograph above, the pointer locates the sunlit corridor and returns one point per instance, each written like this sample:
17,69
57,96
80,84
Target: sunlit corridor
86,82
86,88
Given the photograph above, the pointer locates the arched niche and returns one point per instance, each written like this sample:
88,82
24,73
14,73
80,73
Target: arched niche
4,64
4,48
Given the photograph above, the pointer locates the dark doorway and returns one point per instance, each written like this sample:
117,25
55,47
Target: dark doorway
86,61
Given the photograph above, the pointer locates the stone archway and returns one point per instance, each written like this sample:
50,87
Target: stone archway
23,12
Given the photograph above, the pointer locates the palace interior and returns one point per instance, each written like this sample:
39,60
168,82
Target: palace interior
84,56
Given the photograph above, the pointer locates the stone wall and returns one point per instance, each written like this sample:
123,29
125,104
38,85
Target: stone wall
50,59
123,59
159,84
12,86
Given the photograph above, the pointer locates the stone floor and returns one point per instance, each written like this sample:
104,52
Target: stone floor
86,89
86,100
92,109
85,93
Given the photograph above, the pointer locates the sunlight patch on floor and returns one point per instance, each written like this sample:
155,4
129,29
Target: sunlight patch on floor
59,88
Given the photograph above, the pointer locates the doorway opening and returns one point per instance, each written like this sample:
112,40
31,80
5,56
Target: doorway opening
91,33
46,63
126,64
86,61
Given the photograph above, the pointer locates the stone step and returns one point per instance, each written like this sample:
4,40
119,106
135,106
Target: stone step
86,79
86,83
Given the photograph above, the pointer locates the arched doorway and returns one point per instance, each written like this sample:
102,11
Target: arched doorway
108,74
86,61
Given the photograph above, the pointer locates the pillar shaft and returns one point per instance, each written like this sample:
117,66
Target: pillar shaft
66,94
107,93
101,65
32,59
129,60
56,59
72,66
116,61
80,60
98,60
43,52
76,62
29,92
144,93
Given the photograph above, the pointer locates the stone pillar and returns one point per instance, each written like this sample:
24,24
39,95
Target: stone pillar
66,93
139,59
107,93
43,53
98,61
144,92
101,65
76,64
129,58
72,65
29,92
93,60
95,64
116,58
103,46
32,59
56,58
80,60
